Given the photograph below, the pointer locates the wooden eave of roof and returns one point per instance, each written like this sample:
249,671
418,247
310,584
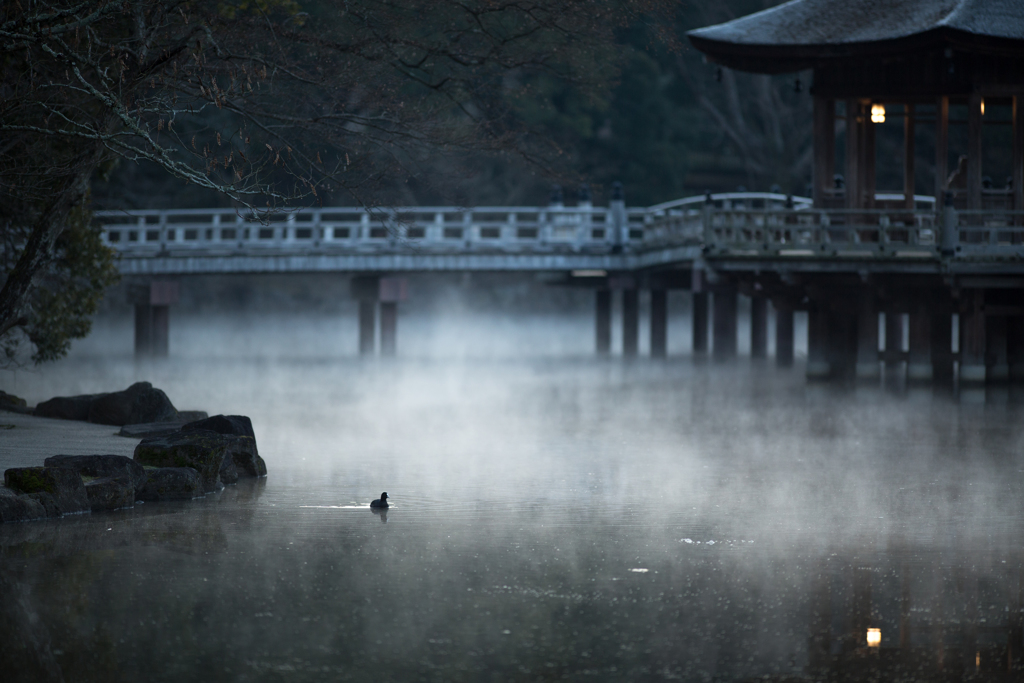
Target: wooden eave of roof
789,58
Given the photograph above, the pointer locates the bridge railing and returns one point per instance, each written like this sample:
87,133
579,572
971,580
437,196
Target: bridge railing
724,225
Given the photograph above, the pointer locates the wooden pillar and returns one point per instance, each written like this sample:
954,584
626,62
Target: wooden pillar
160,342
143,331
997,366
841,350
758,327
630,322
908,156
824,147
659,323
388,328
700,322
867,161
972,339
367,325
974,151
1015,347
725,323
919,366
783,336
941,330
1018,153
893,338
854,150
603,300
941,149
867,340
817,343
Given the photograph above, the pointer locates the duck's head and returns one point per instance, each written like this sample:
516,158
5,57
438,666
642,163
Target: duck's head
384,496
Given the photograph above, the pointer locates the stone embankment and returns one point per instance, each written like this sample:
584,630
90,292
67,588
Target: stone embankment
182,455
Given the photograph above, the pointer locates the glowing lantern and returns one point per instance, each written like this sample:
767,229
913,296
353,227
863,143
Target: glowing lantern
982,107
877,113
874,637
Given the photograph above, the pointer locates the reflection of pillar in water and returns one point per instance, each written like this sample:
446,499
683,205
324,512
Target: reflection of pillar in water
817,343
893,338
867,340
919,365
972,338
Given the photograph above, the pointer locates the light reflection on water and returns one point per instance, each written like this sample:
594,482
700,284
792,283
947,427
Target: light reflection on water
776,522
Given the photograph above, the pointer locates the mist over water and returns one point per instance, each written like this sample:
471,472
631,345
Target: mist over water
553,516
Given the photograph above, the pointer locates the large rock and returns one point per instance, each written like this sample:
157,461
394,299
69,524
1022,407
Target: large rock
18,508
63,483
243,450
67,407
228,471
111,493
203,451
14,404
139,403
171,483
116,466
48,502
235,425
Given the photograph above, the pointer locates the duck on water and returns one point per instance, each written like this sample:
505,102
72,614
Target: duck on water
381,502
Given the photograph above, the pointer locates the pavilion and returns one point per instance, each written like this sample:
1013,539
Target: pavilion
915,59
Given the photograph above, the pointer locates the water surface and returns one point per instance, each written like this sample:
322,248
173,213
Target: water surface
569,519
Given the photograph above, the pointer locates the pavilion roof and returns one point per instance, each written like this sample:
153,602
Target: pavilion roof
802,33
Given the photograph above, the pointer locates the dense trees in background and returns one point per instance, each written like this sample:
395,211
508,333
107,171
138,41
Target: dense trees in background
263,103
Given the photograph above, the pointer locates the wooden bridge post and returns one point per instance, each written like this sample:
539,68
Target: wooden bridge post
724,323
630,322
893,339
783,335
603,300
758,327
919,364
972,339
153,317
659,323
700,322
391,290
366,290
867,369
997,365
941,330
818,367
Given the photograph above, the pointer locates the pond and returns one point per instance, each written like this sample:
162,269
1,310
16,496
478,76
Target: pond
553,519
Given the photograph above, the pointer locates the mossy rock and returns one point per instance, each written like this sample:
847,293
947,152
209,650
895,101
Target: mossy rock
171,483
203,451
62,483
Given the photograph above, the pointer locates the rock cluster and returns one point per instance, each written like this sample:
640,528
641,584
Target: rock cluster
198,458
140,403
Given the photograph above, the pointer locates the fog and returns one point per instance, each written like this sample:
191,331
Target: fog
554,515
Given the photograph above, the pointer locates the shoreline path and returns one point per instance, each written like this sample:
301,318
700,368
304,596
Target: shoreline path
33,439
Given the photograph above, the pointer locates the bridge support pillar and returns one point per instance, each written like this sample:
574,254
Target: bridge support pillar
1015,347
758,327
997,365
367,327
842,342
818,367
784,336
919,364
153,317
603,300
867,341
659,323
630,322
725,323
941,331
893,339
700,322
972,339
388,328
